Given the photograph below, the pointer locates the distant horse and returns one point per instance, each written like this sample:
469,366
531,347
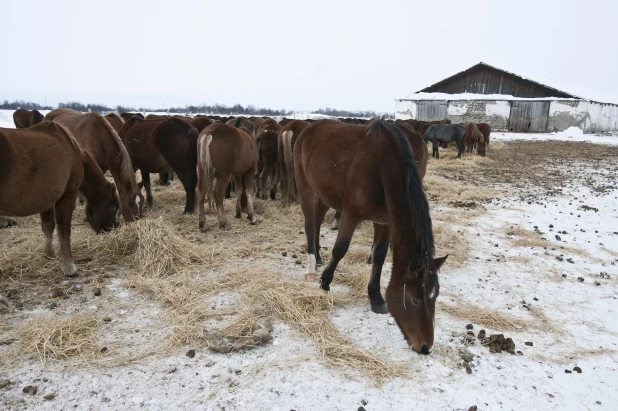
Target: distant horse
126,116
200,123
445,133
231,153
158,146
55,168
259,122
285,146
368,173
95,135
156,117
239,122
423,126
115,121
25,118
266,140
474,138
486,130
284,121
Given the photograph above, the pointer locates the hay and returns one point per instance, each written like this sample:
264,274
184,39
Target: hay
486,317
51,337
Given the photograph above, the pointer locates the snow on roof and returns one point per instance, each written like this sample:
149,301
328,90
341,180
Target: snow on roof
576,91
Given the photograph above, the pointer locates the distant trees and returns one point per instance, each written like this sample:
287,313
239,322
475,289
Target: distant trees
220,109
5,105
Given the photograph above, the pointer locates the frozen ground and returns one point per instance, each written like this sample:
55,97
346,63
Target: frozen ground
565,189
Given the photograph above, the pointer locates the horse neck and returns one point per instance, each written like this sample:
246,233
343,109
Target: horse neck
94,184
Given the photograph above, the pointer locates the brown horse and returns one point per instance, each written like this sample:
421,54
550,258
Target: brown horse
473,138
266,140
115,121
200,123
259,122
96,136
368,173
25,118
239,122
231,153
285,145
486,130
126,116
55,168
159,146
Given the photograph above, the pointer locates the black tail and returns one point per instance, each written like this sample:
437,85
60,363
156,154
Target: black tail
192,160
260,165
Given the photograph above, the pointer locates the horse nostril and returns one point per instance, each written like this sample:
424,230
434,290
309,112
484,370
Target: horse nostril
424,349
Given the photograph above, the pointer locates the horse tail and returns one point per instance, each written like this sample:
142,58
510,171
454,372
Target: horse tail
205,162
260,165
288,159
192,158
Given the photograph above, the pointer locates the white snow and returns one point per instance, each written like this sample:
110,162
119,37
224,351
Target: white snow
570,134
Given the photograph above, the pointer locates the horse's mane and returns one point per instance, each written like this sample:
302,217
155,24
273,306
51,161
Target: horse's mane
417,203
65,131
126,167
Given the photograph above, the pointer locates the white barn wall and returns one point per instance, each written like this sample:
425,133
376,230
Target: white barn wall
565,114
603,117
405,110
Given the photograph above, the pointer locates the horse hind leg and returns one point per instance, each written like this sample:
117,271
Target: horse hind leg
378,255
247,190
222,182
320,212
63,212
239,206
48,224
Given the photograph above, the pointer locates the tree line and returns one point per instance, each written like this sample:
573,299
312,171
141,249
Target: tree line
220,109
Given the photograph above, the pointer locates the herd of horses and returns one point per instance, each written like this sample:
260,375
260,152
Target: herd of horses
366,170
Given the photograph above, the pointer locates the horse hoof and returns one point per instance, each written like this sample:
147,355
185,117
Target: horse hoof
311,277
253,221
325,287
187,211
319,262
225,227
379,309
237,215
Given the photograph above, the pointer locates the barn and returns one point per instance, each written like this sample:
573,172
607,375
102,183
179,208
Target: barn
510,102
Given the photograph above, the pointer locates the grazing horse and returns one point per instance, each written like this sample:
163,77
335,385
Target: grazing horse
24,118
368,173
115,121
239,122
486,130
55,168
231,153
162,145
285,145
266,140
474,138
445,133
95,135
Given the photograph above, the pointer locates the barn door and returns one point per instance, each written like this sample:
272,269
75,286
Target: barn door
529,116
430,110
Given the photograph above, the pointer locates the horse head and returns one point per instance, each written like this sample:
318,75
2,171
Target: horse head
102,214
412,303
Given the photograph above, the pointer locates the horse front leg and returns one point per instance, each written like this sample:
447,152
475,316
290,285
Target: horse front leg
378,255
347,226
48,224
63,212
146,181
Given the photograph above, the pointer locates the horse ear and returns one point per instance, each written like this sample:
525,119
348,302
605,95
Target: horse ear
439,261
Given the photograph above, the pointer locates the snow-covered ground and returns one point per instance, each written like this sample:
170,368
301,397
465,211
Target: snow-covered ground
571,323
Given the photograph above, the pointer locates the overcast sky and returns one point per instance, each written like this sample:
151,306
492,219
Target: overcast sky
292,54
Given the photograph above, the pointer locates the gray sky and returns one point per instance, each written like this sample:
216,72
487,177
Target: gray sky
292,54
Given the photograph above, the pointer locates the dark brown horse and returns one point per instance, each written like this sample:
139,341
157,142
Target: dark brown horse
159,146
231,153
55,168
96,136
25,118
486,130
285,145
200,123
239,122
259,122
369,173
126,116
266,140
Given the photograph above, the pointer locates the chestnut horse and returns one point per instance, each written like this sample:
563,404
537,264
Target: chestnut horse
473,139
162,145
231,153
486,130
285,145
55,168
96,136
200,123
239,122
368,173
24,118
115,121
266,140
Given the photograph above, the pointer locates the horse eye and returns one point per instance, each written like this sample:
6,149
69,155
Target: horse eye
415,300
